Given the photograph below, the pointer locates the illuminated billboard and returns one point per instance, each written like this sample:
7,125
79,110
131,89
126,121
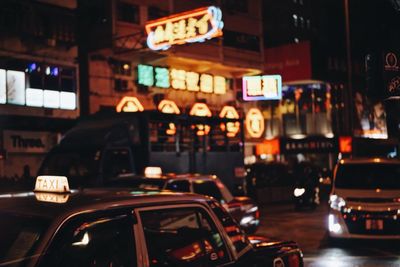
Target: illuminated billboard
266,87
193,26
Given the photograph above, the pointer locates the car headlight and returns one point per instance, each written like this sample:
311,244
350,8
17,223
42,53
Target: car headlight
298,192
336,202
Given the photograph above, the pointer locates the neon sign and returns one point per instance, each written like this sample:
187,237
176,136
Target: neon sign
255,123
169,107
201,110
231,128
129,104
194,26
267,87
181,79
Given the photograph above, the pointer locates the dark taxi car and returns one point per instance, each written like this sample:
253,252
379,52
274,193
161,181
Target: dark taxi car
242,208
118,227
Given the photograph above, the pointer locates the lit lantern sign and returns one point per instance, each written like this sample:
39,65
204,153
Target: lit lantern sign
267,87
201,110
169,107
181,80
231,128
129,104
194,26
255,123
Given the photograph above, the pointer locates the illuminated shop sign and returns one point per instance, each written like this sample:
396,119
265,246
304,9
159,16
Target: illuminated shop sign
201,110
194,26
15,90
345,144
129,104
231,128
255,123
181,79
169,107
267,87
308,145
268,147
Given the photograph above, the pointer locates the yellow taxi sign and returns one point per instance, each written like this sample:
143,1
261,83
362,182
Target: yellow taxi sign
153,171
52,184
51,197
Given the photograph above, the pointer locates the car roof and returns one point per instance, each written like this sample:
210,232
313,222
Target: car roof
31,203
368,161
173,176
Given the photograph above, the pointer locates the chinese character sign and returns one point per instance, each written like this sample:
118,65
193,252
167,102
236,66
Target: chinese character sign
188,27
181,80
267,87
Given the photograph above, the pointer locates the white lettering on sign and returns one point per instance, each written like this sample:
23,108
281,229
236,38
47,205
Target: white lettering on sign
52,184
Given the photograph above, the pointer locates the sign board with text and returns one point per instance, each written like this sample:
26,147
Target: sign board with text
267,87
28,142
193,26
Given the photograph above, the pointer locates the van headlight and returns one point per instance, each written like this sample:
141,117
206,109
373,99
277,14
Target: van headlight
298,192
336,202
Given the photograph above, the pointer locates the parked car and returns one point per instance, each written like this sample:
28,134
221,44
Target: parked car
365,199
243,209
56,226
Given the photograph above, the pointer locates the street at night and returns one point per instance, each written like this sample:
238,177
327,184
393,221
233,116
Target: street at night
309,229
200,133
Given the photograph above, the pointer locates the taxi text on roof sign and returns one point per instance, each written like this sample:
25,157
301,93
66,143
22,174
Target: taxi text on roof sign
267,87
178,79
52,184
193,26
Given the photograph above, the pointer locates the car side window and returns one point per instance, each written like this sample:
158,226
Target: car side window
178,186
235,233
101,242
182,237
208,188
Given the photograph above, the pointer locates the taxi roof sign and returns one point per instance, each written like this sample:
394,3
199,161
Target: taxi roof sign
52,184
152,171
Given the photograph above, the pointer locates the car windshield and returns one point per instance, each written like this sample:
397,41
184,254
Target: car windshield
138,183
368,176
215,189
19,237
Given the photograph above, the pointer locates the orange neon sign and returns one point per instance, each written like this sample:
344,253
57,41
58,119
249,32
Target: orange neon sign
255,123
187,27
129,104
268,147
201,110
231,128
169,107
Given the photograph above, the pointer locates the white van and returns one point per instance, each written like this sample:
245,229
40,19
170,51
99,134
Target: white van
365,199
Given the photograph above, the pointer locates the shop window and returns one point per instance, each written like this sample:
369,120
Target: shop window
241,40
295,20
241,6
156,13
121,67
128,13
121,85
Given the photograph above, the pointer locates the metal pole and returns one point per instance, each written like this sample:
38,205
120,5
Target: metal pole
349,95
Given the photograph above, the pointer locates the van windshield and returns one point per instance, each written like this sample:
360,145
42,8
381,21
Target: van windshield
368,176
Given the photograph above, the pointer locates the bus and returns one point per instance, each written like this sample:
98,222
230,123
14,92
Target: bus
107,146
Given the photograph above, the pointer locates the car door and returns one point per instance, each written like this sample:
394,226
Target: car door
94,239
181,235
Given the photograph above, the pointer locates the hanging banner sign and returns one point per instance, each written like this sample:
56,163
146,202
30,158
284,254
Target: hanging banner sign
267,87
231,128
193,26
181,80
255,123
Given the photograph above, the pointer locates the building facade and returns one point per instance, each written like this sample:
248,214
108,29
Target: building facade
38,81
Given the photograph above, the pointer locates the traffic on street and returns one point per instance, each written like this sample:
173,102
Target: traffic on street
200,133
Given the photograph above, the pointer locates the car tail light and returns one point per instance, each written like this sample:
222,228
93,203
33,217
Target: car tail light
257,214
294,260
